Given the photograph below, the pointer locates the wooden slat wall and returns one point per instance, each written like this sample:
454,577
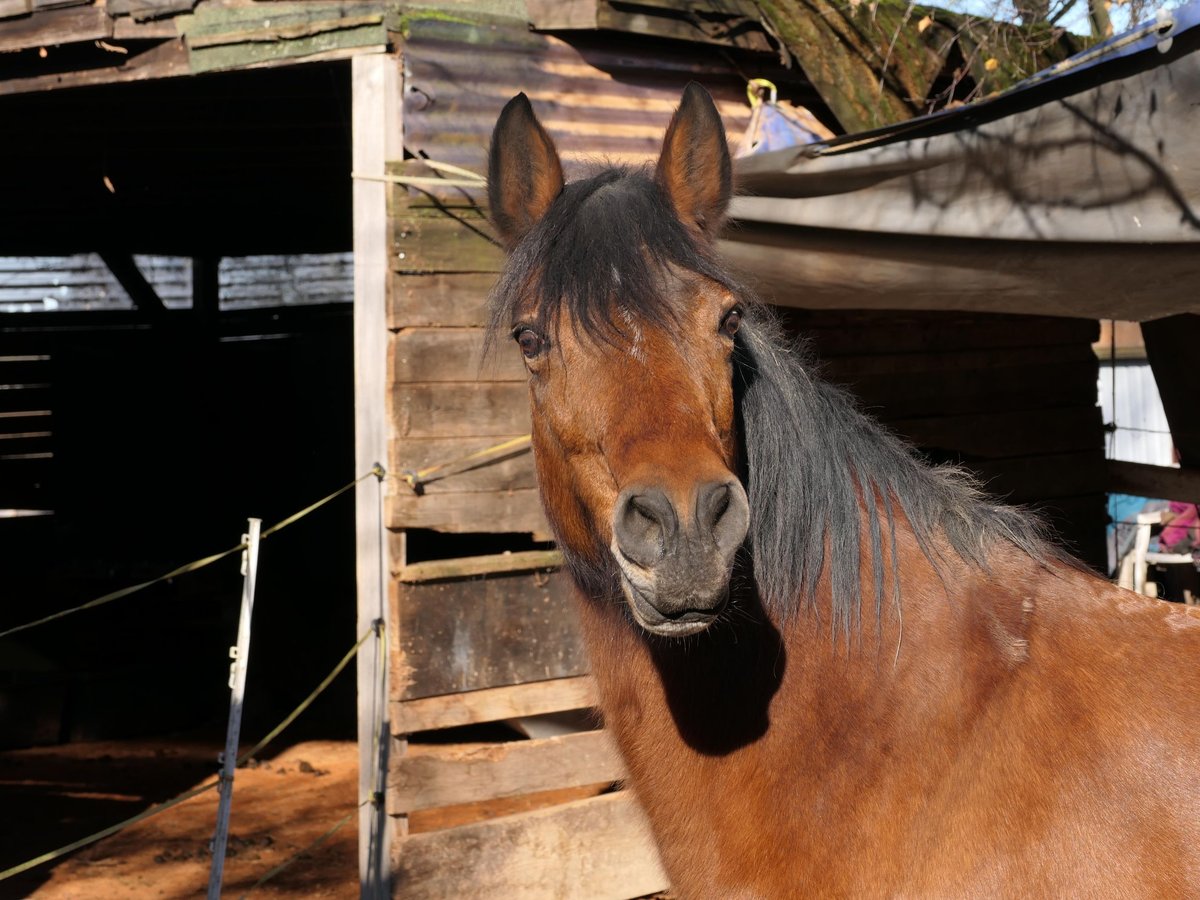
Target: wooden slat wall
1011,397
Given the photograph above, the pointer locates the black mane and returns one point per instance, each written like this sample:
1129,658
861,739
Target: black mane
814,463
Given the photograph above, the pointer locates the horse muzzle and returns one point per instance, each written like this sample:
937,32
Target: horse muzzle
675,568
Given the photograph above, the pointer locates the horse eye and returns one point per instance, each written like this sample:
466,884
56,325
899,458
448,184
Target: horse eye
530,342
731,322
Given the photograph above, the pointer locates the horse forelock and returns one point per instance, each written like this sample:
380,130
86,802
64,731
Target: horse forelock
603,255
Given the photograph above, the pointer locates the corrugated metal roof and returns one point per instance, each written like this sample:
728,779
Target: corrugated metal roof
603,98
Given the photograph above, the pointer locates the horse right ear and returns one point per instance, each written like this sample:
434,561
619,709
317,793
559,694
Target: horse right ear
524,172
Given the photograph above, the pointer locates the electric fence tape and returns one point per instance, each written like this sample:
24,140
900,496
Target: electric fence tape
377,471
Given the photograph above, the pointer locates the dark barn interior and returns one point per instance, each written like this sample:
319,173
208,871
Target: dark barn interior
150,433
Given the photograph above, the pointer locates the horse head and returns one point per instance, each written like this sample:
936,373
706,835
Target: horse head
627,326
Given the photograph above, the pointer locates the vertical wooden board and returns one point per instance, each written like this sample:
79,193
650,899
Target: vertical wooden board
488,632
376,135
587,850
1171,345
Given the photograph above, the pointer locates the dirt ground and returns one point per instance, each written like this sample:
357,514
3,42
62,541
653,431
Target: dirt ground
53,795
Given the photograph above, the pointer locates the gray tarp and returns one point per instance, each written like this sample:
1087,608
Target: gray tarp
1074,195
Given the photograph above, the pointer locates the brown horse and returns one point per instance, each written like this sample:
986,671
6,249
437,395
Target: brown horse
831,669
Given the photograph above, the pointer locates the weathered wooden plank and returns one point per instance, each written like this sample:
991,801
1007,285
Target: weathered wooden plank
10,8
953,360
1163,482
493,704
460,410
472,566
997,390
164,60
446,299
511,769
453,354
450,241
57,26
485,633
869,332
512,472
1042,478
142,10
1171,345
1008,434
586,850
507,512
377,134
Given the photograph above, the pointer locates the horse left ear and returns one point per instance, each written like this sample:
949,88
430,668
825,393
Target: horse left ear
524,172
694,167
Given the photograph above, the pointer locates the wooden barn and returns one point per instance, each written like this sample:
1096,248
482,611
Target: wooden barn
218,129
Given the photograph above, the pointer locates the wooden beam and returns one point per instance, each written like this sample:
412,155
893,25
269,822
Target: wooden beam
1162,482
587,850
58,26
494,704
376,136
164,60
140,291
1171,344
472,566
453,775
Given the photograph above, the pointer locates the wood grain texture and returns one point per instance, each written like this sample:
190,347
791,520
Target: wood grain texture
486,632
473,566
56,26
494,704
429,240
479,409
444,777
512,472
1154,481
501,512
448,299
586,850
453,354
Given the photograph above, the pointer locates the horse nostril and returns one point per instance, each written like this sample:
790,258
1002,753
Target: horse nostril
722,511
645,525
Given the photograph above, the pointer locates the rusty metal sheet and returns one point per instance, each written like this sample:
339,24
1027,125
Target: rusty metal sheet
602,97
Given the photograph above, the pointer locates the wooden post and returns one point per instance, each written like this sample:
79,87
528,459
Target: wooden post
240,653
376,138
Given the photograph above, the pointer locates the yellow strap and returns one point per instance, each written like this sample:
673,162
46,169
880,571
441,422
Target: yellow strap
421,476
754,89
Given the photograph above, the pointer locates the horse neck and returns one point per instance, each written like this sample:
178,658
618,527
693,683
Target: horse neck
932,657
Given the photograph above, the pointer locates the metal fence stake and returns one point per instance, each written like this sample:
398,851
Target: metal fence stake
240,654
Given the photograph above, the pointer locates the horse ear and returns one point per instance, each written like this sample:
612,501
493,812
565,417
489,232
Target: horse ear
524,173
694,167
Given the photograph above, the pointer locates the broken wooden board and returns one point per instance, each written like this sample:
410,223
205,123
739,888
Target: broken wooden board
586,850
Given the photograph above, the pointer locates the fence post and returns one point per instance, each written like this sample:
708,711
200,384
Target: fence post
240,654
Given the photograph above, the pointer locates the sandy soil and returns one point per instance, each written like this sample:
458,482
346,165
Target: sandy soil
54,795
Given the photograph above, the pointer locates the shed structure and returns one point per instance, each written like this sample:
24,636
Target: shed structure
457,563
